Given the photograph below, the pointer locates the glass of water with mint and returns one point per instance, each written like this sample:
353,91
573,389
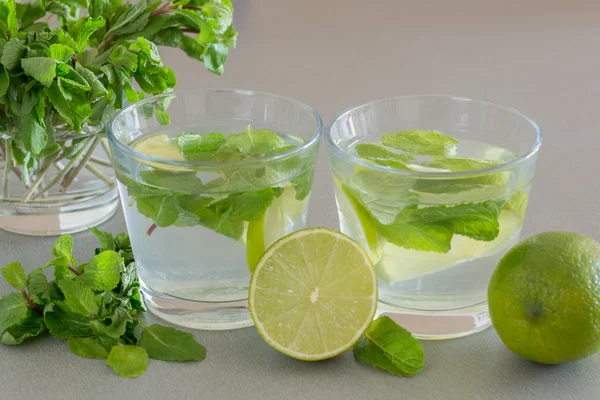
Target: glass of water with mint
435,188
208,180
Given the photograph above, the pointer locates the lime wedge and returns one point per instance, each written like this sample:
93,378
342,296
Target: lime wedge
313,294
160,146
255,242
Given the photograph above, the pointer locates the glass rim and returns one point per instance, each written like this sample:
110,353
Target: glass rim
332,147
314,139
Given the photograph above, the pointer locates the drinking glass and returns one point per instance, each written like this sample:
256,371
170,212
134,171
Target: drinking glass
435,221
201,204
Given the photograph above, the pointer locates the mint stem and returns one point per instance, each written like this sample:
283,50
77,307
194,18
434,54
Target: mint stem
73,269
31,304
151,229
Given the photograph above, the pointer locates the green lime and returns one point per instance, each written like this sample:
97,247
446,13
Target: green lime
544,298
313,294
255,242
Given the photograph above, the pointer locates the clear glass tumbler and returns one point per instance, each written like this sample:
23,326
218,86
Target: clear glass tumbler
435,187
208,180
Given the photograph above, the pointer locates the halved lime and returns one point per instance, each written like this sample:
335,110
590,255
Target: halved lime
160,146
313,294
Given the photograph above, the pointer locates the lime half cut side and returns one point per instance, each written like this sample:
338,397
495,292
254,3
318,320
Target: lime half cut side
313,294
160,145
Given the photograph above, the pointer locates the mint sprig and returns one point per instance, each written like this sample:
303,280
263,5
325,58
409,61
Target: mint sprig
94,306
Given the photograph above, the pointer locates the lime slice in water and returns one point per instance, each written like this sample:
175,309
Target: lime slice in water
313,294
160,146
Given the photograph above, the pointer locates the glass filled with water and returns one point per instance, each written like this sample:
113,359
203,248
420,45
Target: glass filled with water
435,188
208,180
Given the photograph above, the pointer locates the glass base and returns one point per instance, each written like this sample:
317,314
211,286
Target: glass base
57,218
213,316
436,325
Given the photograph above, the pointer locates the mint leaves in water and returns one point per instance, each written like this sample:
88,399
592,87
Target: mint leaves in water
424,214
94,306
390,347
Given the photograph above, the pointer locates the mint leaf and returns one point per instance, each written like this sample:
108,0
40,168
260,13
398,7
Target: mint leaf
198,207
35,137
37,283
135,18
63,251
128,361
390,347
15,275
456,164
13,309
215,56
79,298
244,206
82,29
382,156
41,69
163,210
63,324
303,183
61,52
4,81
200,147
13,52
97,88
518,203
8,17
256,143
410,232
117,326
182,182
103,272
105,238
421,142
74,112
170,344
33,325
87,347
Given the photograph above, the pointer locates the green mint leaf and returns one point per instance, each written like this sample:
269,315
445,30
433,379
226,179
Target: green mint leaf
146,51
15,275
390,347
13,52
82,29
163,117
87,347
382,156
63,324
41,69
103,272
215,56
129,278
122,240
421,142
218,16
74,112
63,251
29,13
303,183
135,18
13,309
105,238
37,283
205,216
115,326
163,210
4,81
170,344
33,325
518,203
410,232
244,206
61,52
97,88
122,58
34,136
79,298
200,147
8,17
128,361
478,221
255,142
155,80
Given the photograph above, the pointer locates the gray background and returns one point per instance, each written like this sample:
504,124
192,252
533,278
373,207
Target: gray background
540,56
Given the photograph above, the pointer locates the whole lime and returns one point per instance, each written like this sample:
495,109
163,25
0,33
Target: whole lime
544,298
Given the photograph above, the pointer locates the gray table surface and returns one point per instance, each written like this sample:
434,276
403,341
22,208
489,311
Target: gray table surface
540,56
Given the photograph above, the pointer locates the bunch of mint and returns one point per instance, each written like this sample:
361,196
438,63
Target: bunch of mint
240,193
94,306
474,203
55,81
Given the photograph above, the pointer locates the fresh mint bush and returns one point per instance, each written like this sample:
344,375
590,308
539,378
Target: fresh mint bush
95,306
71,78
